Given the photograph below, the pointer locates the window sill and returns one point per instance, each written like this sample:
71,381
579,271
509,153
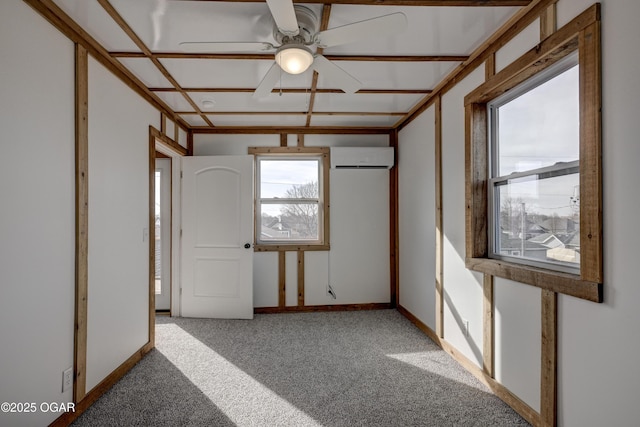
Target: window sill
564,283
289,247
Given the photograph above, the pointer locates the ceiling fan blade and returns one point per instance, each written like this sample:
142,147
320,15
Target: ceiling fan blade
268,82
336,75
285,16
225,47
370,28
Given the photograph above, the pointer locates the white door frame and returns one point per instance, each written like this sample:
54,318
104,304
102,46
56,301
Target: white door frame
176,198
163,188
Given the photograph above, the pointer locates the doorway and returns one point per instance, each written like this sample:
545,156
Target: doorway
162,224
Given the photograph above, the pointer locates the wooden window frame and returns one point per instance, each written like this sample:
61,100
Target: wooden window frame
298,151
582,34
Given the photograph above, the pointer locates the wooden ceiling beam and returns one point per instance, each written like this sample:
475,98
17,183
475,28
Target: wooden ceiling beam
295,113
270,56
324,24
298,130
292,90
464,3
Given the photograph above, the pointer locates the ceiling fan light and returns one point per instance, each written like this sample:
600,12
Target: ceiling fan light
294,59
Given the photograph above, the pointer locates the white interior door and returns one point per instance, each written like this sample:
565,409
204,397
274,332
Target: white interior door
163,233
217,231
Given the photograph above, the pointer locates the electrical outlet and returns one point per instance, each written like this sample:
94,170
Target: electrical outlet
465,327
67,379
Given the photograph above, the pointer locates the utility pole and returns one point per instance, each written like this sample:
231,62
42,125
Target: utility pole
522,230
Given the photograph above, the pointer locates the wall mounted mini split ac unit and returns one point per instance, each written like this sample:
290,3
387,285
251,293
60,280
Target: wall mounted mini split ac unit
362,157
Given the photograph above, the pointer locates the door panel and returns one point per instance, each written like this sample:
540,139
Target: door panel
217,223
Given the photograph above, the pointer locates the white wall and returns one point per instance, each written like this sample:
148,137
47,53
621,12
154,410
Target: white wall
118,292
462,287
598,371
357,266
517,306
37,228
359,257
416,218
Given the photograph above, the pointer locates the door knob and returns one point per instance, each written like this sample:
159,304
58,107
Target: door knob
247,245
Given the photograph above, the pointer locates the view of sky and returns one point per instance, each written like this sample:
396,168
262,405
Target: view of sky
541,126
277,176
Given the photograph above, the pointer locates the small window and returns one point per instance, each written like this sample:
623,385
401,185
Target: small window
534,146
291,199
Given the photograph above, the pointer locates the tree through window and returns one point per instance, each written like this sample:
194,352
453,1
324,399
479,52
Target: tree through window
290,198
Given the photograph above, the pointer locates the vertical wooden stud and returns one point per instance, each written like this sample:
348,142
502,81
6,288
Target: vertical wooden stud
548,22
301,140
590,154
152,239
163,124
548,382
393,225
282,279
490,66
488,326
439,232
300,278
283,140
190,143
82,220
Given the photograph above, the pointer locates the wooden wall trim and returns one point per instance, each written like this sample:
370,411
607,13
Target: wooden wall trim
104,386
300,278
167,142
591,265
152,239
394,234
498,389
488,326
322,308
439,267
189,142
548,21
82,220
549,356
282,279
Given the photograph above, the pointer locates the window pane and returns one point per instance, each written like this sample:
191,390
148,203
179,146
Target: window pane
291,179
541,127
539,219
291,221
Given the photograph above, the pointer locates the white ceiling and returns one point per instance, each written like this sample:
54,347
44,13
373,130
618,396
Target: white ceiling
162,24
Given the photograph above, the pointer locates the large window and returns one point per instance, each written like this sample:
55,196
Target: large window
534,197
533,165
291,198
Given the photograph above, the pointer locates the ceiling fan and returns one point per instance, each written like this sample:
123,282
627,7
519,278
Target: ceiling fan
296,31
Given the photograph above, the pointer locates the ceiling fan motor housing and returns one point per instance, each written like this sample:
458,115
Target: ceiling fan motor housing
307,25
